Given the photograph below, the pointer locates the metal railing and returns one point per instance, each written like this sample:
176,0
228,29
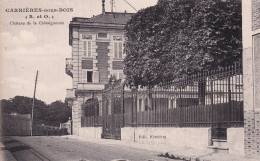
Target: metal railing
207,99
69,63
69,66
92,113
212,98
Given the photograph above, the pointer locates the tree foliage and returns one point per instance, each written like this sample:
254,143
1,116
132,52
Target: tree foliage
53,114
181,37
59,112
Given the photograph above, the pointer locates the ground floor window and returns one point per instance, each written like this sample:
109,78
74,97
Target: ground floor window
87,76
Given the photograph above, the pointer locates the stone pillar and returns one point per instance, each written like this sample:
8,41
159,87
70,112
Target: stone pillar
251,76
134,108
77,114
75,117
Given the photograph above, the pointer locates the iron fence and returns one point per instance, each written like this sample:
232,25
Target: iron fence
91,121
92,115
211,98
207,99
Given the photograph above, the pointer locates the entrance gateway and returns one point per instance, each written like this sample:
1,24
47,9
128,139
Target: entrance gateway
211,99
112,110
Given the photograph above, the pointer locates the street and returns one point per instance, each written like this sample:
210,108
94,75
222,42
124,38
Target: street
49,148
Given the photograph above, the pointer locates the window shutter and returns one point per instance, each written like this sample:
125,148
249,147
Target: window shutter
120,50
89,48
84,76
84,48
96,77
115,50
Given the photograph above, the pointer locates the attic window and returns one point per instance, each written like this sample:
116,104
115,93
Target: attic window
102,36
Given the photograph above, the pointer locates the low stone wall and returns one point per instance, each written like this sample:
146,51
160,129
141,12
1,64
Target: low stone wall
90,132
235,141
176,137
16,125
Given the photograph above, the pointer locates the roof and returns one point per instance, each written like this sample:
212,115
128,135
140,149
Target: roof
107,18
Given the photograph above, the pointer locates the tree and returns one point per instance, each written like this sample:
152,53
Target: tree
6,107
179,38
58,112
54,114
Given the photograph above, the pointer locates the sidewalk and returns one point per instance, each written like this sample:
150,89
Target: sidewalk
5,154
174,152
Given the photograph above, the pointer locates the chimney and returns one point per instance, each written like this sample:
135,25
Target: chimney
103,7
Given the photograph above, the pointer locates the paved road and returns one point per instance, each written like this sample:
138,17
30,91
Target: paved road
61,149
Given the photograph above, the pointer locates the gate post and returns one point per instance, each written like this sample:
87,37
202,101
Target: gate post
112,111
123,105
211,112
134,107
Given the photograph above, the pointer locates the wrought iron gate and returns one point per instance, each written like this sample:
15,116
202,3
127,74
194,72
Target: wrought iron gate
112,110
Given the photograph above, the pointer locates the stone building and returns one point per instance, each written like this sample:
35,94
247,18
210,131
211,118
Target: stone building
97,53
251,66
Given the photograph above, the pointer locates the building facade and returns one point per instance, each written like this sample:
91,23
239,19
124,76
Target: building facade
251,66
97,54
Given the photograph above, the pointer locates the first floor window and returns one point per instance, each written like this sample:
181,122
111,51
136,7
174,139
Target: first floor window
118,50
87,76
87,49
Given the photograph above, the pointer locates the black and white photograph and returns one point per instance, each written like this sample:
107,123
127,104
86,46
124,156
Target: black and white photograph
130,80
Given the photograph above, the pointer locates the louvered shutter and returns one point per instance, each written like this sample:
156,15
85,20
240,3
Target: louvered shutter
120,49
84,48
84,76
115,50
96,76
89,49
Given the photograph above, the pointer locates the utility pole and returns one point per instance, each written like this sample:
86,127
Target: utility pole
33,101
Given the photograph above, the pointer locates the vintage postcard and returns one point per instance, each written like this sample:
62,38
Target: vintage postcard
129,80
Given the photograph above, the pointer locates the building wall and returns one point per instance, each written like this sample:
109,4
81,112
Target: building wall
102,60
168,137
251,75
102,55
90,132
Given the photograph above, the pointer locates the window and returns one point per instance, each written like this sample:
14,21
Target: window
118,75
87,76
118,50
102,36
87,49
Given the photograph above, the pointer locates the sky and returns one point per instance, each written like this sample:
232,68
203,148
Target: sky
28,48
